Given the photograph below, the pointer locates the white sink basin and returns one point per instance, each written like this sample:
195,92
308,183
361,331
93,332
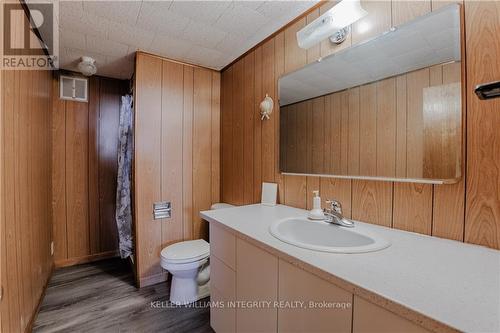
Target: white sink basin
326,237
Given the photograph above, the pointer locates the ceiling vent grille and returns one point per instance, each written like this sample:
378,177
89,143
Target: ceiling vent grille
74,89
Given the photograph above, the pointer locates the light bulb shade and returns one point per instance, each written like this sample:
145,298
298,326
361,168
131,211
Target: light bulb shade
87,66
340,16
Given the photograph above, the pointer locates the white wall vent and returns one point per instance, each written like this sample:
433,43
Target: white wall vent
73,88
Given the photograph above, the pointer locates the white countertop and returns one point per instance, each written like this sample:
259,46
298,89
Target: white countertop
454,283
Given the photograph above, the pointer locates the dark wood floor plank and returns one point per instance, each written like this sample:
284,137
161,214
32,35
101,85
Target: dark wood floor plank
101,297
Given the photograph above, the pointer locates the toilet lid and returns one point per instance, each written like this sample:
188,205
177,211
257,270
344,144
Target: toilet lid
193,250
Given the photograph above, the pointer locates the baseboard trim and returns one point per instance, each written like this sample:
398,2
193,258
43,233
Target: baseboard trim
29,328
153,279
85,259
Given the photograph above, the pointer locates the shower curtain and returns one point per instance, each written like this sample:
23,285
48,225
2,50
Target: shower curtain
123,214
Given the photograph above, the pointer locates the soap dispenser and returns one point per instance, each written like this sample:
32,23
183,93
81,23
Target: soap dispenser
316,213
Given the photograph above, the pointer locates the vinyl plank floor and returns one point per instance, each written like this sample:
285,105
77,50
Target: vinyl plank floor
102,297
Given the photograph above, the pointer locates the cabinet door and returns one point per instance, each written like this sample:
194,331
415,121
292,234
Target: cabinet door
311,304
222,317
371,318
222,245
222,279
256,281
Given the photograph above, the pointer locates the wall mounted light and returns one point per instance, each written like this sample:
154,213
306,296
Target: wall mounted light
266,107
334,24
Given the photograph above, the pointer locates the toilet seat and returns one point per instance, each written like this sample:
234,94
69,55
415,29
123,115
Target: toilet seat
186,252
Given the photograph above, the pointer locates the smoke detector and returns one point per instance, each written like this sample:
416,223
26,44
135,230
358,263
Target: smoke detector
87,66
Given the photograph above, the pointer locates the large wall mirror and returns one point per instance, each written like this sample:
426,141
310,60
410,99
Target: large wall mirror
387,108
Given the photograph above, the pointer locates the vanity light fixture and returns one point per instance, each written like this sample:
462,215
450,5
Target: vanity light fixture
334,24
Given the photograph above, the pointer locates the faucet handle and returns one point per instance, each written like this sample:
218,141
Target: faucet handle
335,205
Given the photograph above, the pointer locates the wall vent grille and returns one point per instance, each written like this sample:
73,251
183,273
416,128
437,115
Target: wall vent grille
73,88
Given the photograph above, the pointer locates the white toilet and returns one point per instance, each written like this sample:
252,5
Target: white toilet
188,263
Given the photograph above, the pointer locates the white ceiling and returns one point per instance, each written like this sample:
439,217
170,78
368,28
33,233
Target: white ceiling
207,33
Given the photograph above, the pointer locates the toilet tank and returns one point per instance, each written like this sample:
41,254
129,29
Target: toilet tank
220,206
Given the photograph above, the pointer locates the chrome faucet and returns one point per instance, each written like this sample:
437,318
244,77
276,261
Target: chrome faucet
334,214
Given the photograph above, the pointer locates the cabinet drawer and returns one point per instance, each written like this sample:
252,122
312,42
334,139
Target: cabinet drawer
222,318
222,278
223,245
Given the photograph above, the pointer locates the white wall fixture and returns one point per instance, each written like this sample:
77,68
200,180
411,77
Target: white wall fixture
87,66
266,107
73,88
334,24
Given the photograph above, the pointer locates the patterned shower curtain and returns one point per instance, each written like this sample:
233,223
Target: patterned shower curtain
123,214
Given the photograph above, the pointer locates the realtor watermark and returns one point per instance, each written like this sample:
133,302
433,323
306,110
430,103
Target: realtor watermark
29,35
256,305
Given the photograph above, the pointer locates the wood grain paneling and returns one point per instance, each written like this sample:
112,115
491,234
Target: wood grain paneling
202,160
368,130
372,202
25,219
401,126
215,114
84,172
226,133
110,92
77,222
3,257
248,128
449,201
436,210
268,127
172,100
147,171
415,84
482,221
413,207
353,133
93,138
295,57
187,153
237,171
178,158
386,128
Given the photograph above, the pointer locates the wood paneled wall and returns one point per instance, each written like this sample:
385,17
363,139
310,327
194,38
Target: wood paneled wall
25,228
25,219
85,163
176,155
250,147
